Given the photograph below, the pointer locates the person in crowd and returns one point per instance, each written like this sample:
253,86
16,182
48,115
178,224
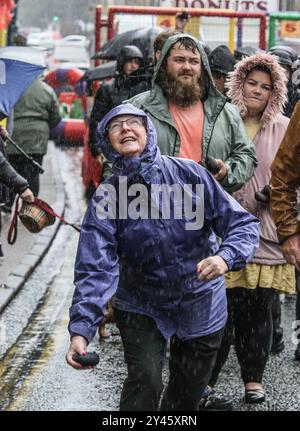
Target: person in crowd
160,40
11,179
286,57
19,39
107,97
114,92
183,95
181,20
142,77
170,284
162,37
285,181
244,52
35,114
221,62
258,88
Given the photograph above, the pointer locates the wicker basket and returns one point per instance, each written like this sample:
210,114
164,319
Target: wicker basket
35,218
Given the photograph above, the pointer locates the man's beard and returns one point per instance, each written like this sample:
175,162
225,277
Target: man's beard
180,93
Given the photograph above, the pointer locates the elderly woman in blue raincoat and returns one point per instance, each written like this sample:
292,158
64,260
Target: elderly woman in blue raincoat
148,240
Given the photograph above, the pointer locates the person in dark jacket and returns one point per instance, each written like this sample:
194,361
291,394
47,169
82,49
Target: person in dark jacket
163,266
244,52
287,57
115,92
11,179
221,62
35,114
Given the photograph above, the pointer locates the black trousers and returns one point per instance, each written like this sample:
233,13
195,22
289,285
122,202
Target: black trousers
276,317
298,295
250,326
190,364
25,168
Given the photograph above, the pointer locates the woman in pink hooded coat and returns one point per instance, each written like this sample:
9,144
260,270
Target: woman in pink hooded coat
258,88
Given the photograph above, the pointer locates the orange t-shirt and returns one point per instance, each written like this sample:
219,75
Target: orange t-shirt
189,123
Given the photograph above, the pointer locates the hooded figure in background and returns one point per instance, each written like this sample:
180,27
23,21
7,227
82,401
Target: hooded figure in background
221,62
164,270
115,91
34,115
287,58
244,52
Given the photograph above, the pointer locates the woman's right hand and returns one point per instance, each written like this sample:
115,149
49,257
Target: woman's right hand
211,268
78,345
3,133
27,196
291,250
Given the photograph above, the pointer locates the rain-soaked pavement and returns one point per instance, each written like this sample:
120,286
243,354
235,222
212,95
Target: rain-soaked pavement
34,375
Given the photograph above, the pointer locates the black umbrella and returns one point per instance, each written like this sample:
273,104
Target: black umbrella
104,71
143,38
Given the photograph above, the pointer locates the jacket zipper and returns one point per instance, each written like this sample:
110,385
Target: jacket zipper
212,130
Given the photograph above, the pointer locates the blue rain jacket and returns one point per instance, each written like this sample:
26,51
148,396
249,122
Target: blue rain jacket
149,265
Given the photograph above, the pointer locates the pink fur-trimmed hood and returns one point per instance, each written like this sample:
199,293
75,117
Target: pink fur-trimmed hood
237,78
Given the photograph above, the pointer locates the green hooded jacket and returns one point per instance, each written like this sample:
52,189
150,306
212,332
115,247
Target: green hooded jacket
35,114
224,135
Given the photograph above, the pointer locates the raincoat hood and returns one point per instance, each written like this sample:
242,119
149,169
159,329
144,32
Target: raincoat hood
236,80
204,60
145,164
128,52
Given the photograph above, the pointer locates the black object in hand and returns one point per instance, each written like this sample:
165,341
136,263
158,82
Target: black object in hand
212,165
263,195
86,360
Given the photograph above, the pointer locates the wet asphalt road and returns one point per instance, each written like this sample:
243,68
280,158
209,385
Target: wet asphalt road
53,385
34,375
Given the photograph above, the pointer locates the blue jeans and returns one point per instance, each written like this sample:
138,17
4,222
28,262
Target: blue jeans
191,363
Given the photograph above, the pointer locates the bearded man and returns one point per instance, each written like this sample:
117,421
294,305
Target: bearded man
192,118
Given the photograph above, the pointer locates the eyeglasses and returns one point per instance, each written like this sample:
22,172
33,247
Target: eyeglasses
132,123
